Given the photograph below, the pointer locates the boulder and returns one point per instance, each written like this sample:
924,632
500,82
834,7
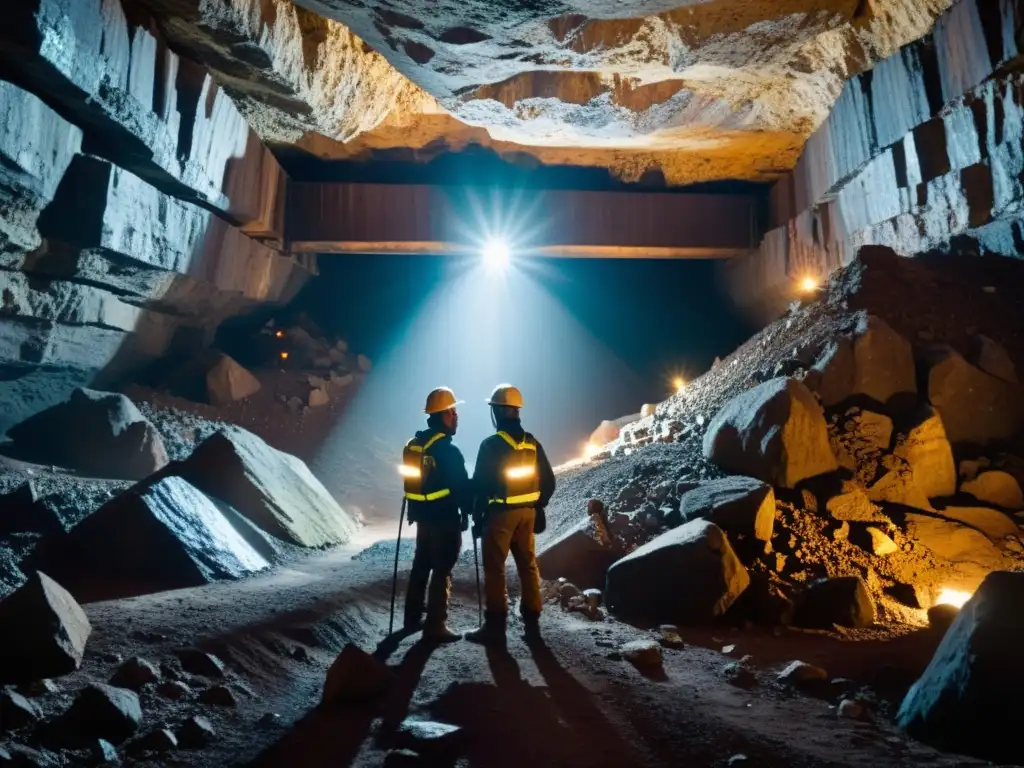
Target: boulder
845,601
197,662
160,740
227,382
17,712
876,362
993,523
956,543
22,511
880,544
318,397
996,487
429,738
899,486
854,506
355,676
364,363
218,696
100,712
96,433
582,555
44,632
992,358
196,732
968,700
104,753
274,490
801,673
196,544
20,756
740,506
926,449
642,653
975,406
688,574
135,674
942,616
775,432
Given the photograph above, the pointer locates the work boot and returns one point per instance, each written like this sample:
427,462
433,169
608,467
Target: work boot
492,632
531,628
440,633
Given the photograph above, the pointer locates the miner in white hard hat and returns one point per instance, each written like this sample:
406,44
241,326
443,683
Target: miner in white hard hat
439,502
512,484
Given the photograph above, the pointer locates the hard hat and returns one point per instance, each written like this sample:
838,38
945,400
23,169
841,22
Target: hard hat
506,394
441,399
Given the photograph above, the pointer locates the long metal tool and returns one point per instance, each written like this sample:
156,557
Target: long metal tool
394,582
479,597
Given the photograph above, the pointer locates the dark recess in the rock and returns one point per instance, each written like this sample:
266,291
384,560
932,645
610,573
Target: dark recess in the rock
463,36
418,52
396,19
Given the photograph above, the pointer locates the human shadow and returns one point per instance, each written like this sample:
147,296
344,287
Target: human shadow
513,723
333,736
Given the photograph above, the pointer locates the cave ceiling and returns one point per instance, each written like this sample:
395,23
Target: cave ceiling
687,91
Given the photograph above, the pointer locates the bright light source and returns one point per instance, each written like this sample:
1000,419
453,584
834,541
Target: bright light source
590,450
954,597
496,254
679,384
280,334
517,473
406,471
809,284
284,355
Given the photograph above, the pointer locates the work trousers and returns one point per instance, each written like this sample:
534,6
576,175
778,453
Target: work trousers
437,549
505,531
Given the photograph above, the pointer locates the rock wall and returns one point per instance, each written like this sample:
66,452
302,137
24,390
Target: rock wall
921,153
138,210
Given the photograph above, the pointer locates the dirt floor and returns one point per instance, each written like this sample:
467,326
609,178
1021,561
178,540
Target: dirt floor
572,701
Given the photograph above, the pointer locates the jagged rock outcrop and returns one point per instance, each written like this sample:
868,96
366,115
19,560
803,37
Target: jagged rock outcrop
274,490
164,535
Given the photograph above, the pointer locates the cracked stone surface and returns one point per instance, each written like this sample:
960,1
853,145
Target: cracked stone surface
695,91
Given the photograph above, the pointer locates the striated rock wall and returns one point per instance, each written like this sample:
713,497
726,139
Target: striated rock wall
138,210
921,153
693,91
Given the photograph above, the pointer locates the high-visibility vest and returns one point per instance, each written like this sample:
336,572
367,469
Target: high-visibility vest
418,473
518,473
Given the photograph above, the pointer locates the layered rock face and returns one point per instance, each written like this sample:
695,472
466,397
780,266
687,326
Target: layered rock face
688,91
138,210
920,153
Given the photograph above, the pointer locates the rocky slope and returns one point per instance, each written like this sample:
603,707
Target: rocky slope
691,91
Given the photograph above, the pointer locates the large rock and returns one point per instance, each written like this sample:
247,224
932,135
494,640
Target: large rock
582,554
98,433
22,511
355,676
227,382
164,534
775,432
926,449
844,601
995,487
970,552
44,632
275,490
876,362
100,712
992,358
689,574
968,699
993,523
740,506
975,406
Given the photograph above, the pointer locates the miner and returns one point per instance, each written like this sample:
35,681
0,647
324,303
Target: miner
512,484
438,498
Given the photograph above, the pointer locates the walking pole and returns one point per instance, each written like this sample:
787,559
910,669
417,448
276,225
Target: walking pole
479,599
394,582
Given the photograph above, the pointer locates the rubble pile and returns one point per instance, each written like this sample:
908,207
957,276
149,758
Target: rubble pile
841,468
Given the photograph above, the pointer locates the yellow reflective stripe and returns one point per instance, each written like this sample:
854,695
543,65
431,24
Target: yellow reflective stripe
428,496
433,440
523,446
524,498
417,448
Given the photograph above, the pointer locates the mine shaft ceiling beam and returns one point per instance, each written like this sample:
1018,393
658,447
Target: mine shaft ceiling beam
410,219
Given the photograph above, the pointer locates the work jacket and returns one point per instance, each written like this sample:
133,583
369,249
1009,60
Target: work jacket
511,446
443,488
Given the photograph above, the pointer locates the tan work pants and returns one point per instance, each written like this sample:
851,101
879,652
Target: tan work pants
510,530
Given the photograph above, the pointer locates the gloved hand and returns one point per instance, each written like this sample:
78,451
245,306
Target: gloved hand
465,523
540,521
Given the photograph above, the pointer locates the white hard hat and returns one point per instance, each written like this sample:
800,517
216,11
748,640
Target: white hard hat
441,399
507,395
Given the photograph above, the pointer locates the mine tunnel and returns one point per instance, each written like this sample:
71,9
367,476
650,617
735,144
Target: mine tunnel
493,384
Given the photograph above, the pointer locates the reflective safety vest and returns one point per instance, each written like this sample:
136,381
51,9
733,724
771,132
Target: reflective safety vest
418,471
518,470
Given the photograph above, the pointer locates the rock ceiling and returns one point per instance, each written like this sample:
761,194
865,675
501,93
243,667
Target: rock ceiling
696,91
